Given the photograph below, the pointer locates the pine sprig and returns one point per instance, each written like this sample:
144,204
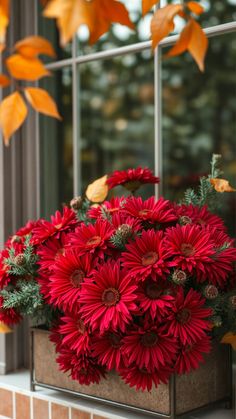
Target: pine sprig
25,297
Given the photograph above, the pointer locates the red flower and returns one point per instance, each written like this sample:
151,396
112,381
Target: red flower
190,214
59,222
149,348
108,299
115,205
191,247
91,238
142,379
220,267
87,371
74,334
188,319
151,210
121,219
8,316
146,256
5,278
155,298
191,355
50,251
107,350
131,179
70,270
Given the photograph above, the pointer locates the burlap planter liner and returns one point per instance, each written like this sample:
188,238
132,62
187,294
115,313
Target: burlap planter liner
207,385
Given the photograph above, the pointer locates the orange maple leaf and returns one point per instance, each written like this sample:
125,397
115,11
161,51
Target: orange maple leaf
41,101
230,338
163,22
4,22
13,112
4,80
98,15
98,190
195,7
147,5
25,68
222,185
32,46
192,39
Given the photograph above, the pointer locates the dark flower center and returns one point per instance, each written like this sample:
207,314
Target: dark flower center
201,222
145,213
153,290
110,297
149,258
187,249
149,339
83,371
94,241
183,316
115,340
132,185
81,326
77,278
144,370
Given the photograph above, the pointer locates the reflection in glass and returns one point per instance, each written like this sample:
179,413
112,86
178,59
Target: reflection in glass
117,115
56,145
199,118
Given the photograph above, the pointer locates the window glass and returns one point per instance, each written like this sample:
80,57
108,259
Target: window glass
117,115
56,145
199,118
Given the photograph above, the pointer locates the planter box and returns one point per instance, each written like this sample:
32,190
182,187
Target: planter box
209,384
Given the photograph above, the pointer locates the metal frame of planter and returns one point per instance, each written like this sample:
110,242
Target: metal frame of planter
227,401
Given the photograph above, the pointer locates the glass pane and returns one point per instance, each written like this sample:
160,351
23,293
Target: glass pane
47,28
118,35
117,115
199,118
56,145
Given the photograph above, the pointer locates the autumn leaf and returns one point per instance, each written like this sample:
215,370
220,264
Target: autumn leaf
25,68
4,328
230,338
97,15
13,112
98,190
195,7
4,80
222,185
147,5
32,46
193,40
163,22
4,21
41,101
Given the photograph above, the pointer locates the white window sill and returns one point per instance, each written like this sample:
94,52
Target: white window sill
20,381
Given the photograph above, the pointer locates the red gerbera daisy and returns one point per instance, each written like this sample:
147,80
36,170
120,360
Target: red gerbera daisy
191,247
5,278
59,222
191,355
92,238
115,205
108,300
155,298
87,371
107,350
190,214
74,333
131,179
188,319
69,272
149,348
50,251
8,316
142,379
151,210
146,256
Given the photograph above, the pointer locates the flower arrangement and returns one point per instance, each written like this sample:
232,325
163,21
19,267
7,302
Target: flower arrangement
140,286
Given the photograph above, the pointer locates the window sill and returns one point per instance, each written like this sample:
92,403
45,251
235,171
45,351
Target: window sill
19,383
